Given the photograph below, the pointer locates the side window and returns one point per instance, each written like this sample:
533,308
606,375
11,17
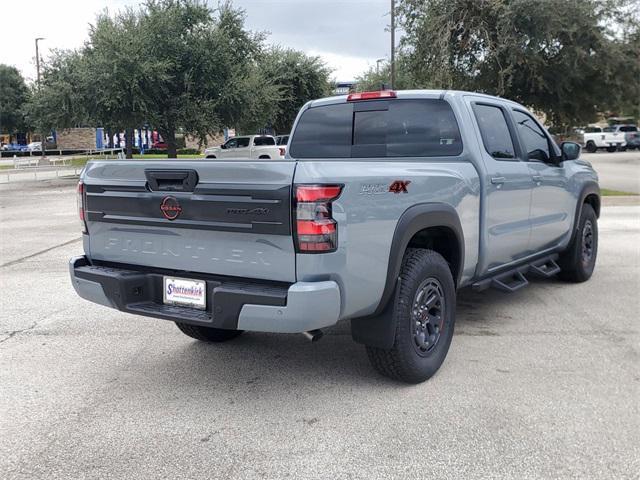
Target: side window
495,132
243,142
534,141
232,143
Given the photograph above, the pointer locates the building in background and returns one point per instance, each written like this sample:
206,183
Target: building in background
343,88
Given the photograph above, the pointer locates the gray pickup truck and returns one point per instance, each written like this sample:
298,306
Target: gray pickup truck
385,205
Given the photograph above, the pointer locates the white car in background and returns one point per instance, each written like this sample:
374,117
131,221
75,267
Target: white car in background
282,141
250,147
34,147
607,137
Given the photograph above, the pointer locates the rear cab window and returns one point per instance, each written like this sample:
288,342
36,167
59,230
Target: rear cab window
263,141
377,128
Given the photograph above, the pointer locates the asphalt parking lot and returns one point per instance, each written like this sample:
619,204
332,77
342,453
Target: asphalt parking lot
543,383
618,171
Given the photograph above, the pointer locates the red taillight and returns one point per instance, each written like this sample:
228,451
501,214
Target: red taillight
354,97
81,207
312,227
317,193
316,230
283,150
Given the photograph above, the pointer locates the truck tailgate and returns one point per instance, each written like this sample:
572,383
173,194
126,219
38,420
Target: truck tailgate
218,217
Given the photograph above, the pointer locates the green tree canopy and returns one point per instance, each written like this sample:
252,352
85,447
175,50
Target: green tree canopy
117,73
60,99
204,61
14,95
180,67
566,58
378,77
299,77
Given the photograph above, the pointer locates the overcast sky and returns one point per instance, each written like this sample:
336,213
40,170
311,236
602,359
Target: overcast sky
349,34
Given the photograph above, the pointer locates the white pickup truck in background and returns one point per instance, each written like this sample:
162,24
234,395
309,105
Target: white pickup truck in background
607,137
250,147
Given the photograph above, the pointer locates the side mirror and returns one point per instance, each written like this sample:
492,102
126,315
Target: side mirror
570,150
223,146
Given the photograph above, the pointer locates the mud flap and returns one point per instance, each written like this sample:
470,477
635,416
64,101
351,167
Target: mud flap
380,330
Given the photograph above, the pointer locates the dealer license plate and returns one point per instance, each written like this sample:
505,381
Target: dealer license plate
185,292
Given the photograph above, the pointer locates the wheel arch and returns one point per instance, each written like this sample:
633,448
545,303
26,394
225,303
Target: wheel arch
590,194
430,225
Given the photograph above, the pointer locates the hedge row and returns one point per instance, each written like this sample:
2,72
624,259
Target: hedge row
181,151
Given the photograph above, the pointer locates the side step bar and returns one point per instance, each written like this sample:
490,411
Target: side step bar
545,268
514,279
509,282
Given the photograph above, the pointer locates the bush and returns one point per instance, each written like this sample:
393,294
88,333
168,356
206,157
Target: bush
181,151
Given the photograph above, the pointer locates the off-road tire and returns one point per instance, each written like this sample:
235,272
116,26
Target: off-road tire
575,264
591,147
402,361
207,334
612,149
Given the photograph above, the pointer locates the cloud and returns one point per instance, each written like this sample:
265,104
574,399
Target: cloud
349,34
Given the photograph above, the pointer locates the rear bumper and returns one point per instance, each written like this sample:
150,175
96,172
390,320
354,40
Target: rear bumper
231,303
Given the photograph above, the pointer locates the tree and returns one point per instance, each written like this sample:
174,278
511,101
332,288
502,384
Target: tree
299,78
174,64
205,74
118,73
378,78
14,95
60,99
557,56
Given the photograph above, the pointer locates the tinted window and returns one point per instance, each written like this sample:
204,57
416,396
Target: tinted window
233,143
629,128
533,138
261,141
323,132
398,128
495,132
609,129
243,142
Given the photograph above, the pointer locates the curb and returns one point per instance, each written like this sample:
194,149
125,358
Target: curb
620,200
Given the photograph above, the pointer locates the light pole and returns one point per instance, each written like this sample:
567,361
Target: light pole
393,44
43,141
38,59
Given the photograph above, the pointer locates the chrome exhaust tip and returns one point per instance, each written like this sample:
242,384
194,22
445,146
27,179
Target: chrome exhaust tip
313,335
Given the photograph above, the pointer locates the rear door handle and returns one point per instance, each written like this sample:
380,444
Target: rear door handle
498,180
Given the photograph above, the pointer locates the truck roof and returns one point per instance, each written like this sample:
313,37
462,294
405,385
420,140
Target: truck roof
252,136
406,94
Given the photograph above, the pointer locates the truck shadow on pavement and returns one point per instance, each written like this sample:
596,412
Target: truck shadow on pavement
260,361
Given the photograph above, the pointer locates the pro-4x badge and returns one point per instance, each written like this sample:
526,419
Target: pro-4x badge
399,186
